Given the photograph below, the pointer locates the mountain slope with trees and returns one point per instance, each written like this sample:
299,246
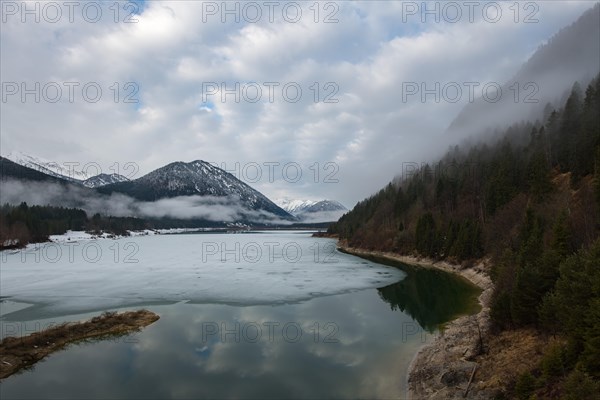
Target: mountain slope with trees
571,54
529,203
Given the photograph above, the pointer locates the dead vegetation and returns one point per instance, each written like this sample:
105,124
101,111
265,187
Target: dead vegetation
17,353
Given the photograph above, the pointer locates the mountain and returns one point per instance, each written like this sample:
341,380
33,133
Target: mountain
322,211
311,210
56,170
13,170
324,205
219,192
571,55
103,180
294,206
47,167
196,178
523,209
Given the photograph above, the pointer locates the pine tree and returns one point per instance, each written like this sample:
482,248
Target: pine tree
577,303
539,176
426,235
570,126
597,175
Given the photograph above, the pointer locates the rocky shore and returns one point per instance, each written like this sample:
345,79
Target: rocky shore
465,360
447,368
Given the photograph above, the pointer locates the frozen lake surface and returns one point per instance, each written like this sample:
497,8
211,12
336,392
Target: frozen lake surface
248,269
259,315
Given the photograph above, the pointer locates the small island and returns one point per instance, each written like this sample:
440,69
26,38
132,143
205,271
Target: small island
17,353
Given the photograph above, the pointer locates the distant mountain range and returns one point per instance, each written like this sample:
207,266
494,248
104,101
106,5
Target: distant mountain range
103,180
200,183
294,206
177,179
196,178
311,210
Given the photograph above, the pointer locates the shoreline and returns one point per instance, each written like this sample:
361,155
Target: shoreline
17,353
445,368
77,236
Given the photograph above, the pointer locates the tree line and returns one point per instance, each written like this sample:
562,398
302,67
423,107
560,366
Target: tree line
529,200
23,224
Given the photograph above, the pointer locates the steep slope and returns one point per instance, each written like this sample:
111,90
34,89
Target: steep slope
103,180
572,55
47,167
322,211
218,192
12,170
324,205
294,206
56,170
313,211
525,210
195,178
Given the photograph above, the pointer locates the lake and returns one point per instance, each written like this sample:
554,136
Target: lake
246,315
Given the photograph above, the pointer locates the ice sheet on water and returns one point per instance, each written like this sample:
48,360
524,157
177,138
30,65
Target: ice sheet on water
259,268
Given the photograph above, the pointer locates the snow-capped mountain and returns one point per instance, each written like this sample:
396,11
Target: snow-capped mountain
196,178
64,171
324,205
294,206
47,167
311,210
10,170
103,180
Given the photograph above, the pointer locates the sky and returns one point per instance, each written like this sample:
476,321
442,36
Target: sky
308,100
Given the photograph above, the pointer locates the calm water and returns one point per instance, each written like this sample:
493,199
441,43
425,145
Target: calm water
318,324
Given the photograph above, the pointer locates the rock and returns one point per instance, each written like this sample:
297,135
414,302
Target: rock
457,374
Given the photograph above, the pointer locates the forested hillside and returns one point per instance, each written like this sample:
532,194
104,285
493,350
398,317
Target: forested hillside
24,224
528,203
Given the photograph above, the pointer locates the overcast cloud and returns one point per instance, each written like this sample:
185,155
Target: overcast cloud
216,209
177,49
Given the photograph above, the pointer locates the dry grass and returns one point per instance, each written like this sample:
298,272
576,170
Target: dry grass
510,354
17,353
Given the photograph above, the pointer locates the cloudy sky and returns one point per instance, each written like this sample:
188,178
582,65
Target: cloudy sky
266,90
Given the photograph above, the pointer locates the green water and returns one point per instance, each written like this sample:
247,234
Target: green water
430,296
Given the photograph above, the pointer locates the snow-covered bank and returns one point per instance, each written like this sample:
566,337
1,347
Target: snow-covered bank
82,235
70,236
